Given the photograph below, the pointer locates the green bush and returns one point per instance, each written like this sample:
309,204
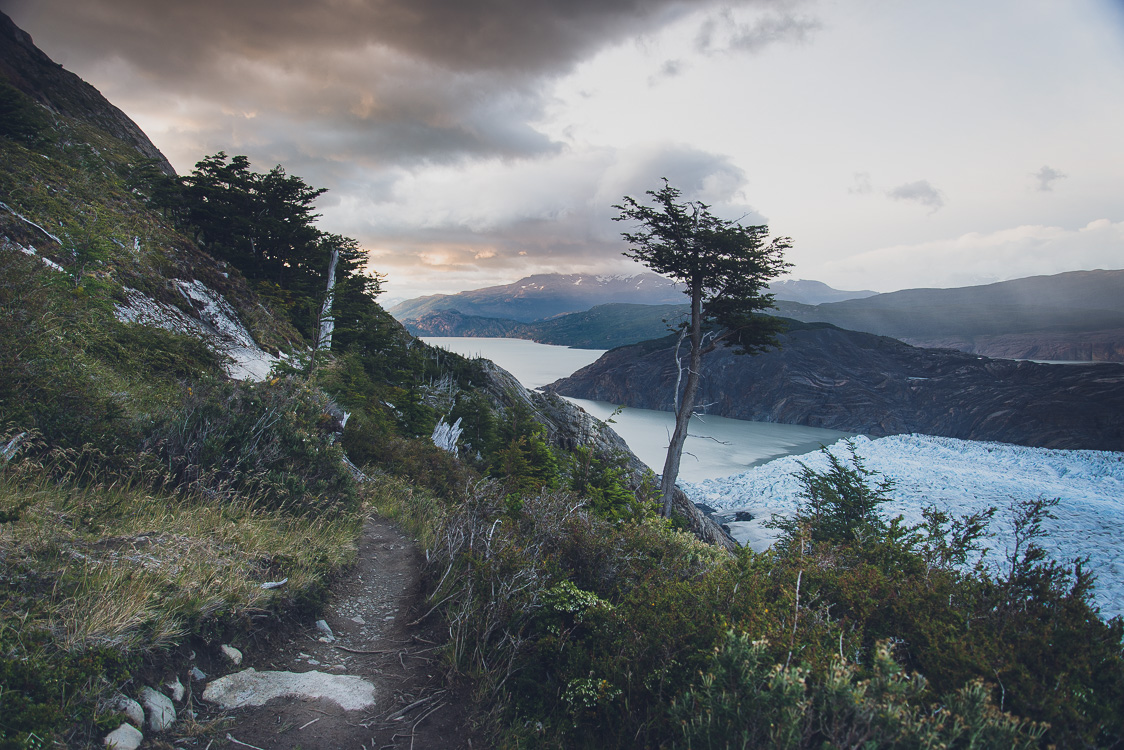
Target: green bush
273,442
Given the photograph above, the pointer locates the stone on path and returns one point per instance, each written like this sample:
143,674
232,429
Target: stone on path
124,737
131,709
232,653
161,712
252,688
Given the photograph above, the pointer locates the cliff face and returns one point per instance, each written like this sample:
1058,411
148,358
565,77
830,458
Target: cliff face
858,382
27,68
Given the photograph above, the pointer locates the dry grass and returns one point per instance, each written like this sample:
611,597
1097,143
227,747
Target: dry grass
130,569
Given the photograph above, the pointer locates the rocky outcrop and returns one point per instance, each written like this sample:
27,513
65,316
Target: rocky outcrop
858,382
27,68
568,426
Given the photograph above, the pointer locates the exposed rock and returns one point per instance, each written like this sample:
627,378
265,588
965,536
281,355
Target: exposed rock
176,688
252,688
217,323
857,382
124,737
325,629
130,708
198,674
161,712
232,653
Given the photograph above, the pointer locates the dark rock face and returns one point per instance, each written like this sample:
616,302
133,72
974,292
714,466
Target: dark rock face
858,382
27,68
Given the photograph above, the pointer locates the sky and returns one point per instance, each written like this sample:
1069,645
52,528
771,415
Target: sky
469,143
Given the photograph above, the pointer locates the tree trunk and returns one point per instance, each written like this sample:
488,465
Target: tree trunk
327,322
686,404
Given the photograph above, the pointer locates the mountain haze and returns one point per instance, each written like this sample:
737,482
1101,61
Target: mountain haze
1077,315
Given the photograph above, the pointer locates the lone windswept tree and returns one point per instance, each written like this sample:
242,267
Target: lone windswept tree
726,267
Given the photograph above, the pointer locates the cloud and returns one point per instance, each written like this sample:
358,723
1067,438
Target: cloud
861,184
985,257
1046,177
480,227
669,69
919,192
724,33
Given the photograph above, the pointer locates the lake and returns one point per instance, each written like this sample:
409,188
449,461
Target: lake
718,447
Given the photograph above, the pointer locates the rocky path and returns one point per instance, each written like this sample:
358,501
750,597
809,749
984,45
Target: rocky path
370,680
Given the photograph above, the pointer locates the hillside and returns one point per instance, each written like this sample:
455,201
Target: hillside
1070,316
823,376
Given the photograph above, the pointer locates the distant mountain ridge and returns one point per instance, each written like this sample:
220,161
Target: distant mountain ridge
601,327
1076,316
546,295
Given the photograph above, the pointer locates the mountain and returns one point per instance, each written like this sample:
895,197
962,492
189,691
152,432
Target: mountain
809,292
600,327
1077,315
26,68
823,376
545,295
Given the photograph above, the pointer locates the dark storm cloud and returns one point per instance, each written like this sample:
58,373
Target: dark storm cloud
387,81
919,192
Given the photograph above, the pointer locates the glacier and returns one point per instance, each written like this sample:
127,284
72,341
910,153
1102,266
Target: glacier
960,477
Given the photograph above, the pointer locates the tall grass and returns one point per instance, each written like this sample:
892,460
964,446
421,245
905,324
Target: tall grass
97,575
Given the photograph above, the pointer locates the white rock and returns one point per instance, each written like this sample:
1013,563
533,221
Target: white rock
124,737
252,688
131,709
232,653
198,674
176,688
323,627
161,712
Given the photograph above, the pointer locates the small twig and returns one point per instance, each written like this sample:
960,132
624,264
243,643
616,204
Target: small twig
795,619
240,742
403,711
308,724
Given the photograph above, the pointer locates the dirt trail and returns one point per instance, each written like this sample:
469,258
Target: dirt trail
371,613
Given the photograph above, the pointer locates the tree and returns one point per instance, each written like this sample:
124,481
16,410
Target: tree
726,267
